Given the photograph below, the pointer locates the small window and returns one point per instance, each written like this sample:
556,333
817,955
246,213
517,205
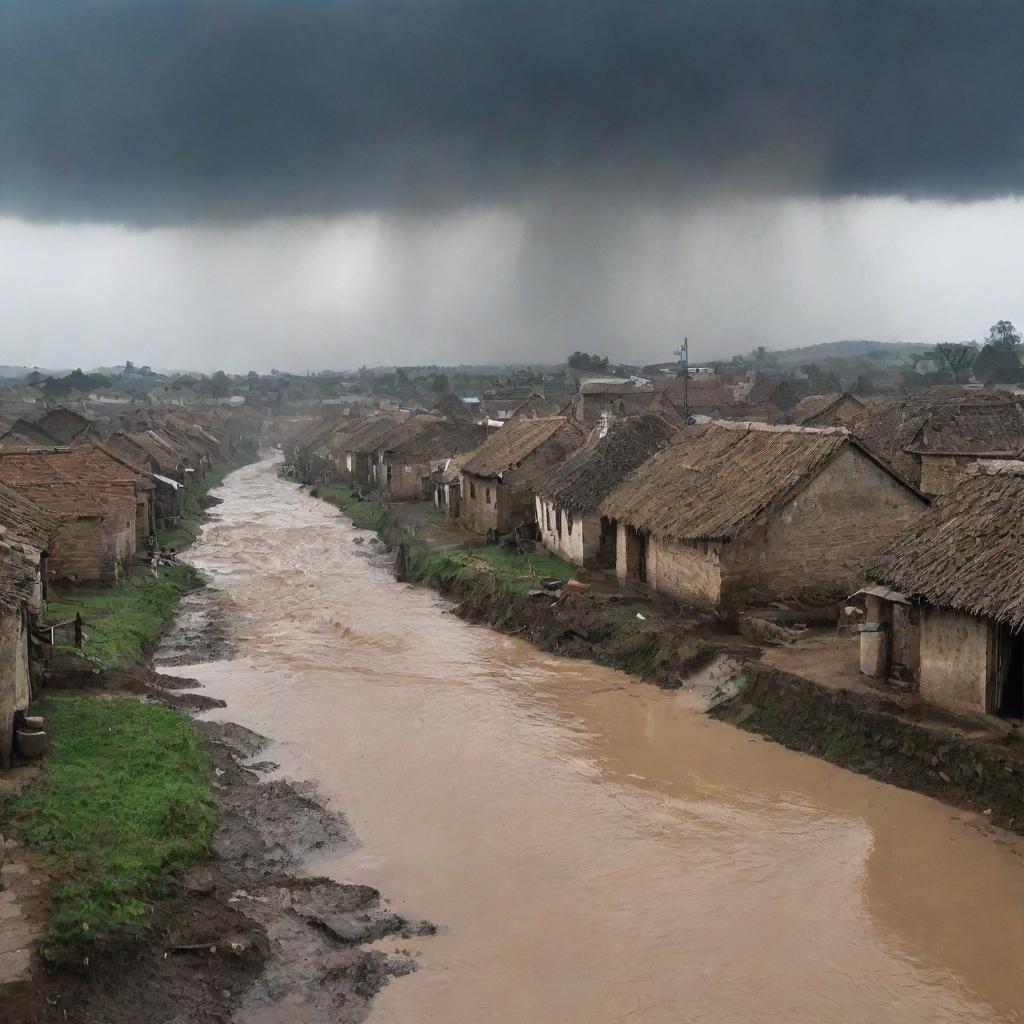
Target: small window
487,496
472,489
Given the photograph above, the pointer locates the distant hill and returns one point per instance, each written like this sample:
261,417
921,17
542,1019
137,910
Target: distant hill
895,351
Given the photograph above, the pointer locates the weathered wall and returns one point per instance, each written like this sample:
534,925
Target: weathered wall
814,547
406,483
88,548
938,472
14,676
956,656
475,512
579,539
905,654
689,572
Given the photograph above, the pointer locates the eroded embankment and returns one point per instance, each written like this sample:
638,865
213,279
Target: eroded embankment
871,735
861,732
239,931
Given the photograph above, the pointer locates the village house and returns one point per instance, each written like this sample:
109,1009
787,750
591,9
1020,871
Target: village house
945,608
740,514
55,428
26,534
422,447
835,410
167,493
930,437
356,454
448,485
498,478
93,499
569,496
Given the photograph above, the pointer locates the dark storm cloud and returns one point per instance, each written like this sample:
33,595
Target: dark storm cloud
153,112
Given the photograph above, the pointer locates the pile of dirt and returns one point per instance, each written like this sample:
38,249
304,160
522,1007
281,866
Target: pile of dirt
873,736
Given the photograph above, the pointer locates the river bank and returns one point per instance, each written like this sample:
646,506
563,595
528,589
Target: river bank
901,743
155,867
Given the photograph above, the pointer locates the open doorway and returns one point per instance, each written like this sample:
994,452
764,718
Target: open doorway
606,548
636,555
1011,692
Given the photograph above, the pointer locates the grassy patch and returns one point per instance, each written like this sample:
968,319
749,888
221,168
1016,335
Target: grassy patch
124,806
190,520
440,569
520,573
366,515
123,622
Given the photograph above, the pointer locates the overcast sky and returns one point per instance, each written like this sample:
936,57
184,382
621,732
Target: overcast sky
325,183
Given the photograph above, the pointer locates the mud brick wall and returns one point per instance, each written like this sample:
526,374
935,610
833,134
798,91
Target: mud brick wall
689,572
579,540
816,545
88,548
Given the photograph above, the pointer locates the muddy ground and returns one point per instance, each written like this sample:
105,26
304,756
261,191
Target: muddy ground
246,932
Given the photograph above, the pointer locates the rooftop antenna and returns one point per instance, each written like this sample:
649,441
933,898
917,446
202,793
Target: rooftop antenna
683,355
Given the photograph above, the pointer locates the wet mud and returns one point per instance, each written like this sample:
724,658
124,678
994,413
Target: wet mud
247,933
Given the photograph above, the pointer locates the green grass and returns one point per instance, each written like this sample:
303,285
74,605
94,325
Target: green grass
123,622
190,520
520,573
123,807
366,515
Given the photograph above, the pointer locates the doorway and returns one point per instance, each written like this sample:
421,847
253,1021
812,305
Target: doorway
1011,693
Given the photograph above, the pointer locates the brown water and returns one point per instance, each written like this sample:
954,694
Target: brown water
595,850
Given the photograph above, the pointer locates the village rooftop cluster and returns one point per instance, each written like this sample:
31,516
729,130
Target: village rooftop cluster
890,504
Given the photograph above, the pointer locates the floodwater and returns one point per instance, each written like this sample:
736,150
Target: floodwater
594,850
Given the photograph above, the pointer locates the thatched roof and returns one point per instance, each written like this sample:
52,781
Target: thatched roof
972,428
453,406
812,407
428,438
17,574
370,435
508,446
716,478
64,425
586,477
24,520
967,551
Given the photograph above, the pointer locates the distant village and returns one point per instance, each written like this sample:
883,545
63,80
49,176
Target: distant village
857,513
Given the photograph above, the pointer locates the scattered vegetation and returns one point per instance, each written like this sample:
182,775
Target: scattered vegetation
123,808
193,511
522,572
366,515
123,622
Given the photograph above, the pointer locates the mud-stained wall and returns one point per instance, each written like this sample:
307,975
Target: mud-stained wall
956,659
815,546
689,572
574,537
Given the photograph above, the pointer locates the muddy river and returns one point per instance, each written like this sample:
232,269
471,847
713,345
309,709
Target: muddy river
594,850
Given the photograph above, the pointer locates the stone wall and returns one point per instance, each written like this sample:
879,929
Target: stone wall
957,659
816,545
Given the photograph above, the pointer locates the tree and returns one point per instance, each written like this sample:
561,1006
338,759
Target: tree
1003,333
439,385
955,359
583,361
999,360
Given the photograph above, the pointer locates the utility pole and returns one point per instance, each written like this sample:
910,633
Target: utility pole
683,355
